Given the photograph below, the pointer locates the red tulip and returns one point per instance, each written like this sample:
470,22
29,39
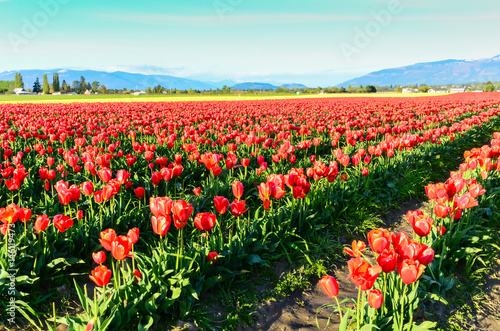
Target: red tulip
362,273
41,223
204,221
221,204
99,196
107,237
237,189
75,193
122,176
24,214
101,275
105,174
182,212
160,206
379,240
133,235
156,178
441,210
120,247
245,162
329,286
357,248
212,256
238,207
62,222
441,230
388,261
99,257
410,270
87,188
139,192
161,224
426,255
375,298
197,190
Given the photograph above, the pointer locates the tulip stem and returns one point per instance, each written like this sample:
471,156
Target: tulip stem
402,308
357,309
340,309
384,298
133,260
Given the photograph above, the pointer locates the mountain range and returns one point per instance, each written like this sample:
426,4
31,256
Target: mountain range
430,73
433,73
133,81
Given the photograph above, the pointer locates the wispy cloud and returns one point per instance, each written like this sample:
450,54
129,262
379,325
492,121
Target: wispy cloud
249,19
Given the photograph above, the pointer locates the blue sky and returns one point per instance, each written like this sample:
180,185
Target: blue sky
314,42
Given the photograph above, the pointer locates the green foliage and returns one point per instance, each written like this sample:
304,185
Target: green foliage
18,82
55,82
45,86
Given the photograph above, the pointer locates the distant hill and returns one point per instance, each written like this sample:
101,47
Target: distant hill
264,86
433,73
113,80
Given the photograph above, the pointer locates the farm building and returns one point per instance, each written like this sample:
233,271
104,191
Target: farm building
437,91
409,90
457,90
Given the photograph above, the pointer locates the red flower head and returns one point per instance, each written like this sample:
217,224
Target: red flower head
245,162
423,225
120,247
133,235
441,230
379,240
388,261
101,275
465,201
161,224
62,222
99,257
64,195
375,298
87,188
238,207
105,174
182,212
75,193
99,196
197,190
357,248
122,176
362,273
237,189
221,204
160,206
410,270
41,223
204,221
107,237
139,192
24,215
329,286
212,256
441,210
426,255
476,190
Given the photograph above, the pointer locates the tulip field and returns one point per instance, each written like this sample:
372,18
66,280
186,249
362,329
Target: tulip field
145,209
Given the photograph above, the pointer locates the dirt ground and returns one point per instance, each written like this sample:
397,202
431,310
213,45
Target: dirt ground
298,311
